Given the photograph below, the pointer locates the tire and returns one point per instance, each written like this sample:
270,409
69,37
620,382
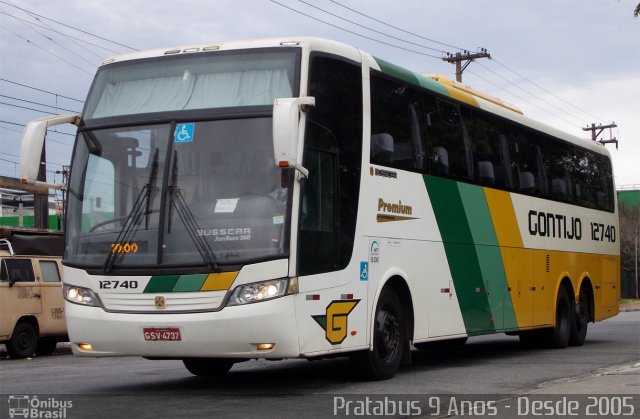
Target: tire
46,346
389,340
558,337
580,319
24,340
208,367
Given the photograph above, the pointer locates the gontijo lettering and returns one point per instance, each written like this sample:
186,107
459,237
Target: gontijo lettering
547,224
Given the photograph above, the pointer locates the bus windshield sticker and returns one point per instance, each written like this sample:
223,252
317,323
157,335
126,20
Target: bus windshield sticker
184,133
278,219
226,205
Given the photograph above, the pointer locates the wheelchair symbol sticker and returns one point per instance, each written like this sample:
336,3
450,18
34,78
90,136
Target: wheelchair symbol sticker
364,271
184,133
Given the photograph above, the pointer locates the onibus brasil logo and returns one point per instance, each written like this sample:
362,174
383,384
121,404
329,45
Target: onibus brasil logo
24,406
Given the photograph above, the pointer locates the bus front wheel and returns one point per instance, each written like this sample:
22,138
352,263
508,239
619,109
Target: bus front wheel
389,340
208,367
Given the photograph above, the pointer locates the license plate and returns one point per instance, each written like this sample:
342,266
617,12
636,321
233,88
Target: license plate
161,333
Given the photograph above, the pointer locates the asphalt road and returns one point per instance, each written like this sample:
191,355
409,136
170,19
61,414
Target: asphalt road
491,367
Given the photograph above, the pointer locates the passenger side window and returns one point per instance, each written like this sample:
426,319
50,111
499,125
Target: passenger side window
397,125
49,270
450,152
17,270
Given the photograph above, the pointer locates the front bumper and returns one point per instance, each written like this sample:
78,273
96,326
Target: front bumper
232,332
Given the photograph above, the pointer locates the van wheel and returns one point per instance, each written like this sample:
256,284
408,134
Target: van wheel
389,340
558,336
580,320
24,340
46,346
208,367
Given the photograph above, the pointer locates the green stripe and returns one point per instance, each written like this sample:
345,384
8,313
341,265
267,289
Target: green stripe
411,77
190,283
489,256
461,254
164,283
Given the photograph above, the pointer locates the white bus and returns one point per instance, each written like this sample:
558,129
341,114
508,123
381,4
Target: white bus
300,198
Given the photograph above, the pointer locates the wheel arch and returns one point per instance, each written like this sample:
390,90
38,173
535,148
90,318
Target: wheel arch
27,319
399,285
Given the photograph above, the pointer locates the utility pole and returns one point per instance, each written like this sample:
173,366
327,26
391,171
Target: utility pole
466,56
597,130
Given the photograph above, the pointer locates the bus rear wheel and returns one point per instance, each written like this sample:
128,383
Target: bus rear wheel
580,320
208,367
558,336
389,340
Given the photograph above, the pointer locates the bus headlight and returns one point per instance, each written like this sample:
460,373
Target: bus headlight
80,295
258,291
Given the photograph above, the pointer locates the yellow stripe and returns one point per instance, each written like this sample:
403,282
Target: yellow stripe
219,282
504,218
461,96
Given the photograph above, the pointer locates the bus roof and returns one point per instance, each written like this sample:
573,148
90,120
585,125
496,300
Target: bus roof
436,83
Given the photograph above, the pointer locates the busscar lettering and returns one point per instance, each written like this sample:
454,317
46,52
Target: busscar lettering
547,224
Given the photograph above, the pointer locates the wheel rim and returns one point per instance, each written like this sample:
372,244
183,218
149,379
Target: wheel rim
388,335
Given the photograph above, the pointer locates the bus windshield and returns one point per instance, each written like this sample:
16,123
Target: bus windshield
191,82
203,193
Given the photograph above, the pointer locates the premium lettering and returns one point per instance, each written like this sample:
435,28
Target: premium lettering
394,208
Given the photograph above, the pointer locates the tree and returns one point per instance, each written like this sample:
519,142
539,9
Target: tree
630,239
637,11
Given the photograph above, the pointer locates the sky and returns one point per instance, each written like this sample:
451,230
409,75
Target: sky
566,63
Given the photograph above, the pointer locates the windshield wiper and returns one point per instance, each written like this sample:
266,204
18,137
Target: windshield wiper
186,216
142,201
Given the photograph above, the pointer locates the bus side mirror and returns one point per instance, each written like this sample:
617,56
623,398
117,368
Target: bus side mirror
31,147
286,130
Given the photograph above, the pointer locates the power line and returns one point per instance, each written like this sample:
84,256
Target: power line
27,108
48,161
547,91
355,33
537,97
504,66
523,99
38,103
44,49
47,26
397,28
58,44
49,130
41,90
69,26
63,34
370,29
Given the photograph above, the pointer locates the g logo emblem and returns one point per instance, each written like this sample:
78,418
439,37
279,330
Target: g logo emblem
334,322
